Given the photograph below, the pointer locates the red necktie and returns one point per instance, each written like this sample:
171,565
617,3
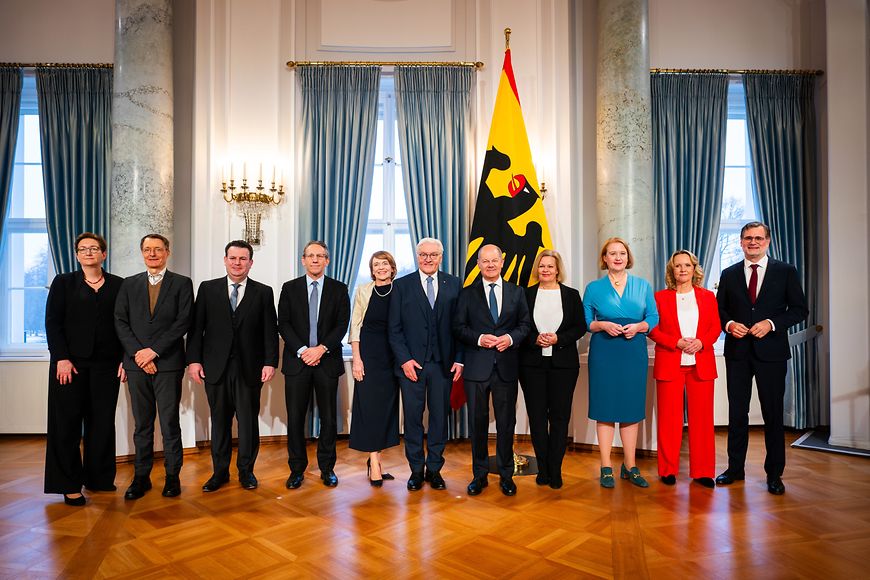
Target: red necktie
753,283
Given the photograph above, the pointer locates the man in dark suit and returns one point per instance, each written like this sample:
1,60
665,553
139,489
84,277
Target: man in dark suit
759,299
313,316
152,314
492,319
421,312
233,347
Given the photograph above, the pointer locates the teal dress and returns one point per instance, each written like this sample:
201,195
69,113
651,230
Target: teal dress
618,366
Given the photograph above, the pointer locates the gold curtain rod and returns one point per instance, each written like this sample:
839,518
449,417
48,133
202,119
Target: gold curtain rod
730,71
57,64
297,63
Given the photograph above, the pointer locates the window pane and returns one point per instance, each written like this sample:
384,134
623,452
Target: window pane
376,205
729,249
373,243
27,272
397,151
405,260
34,194
735,143
401,211
379,142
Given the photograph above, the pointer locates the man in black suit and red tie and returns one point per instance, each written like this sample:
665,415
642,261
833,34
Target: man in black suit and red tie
313,316
233,349
759,300
153,312
492,319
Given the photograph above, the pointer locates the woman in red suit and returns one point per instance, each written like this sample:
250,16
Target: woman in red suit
688,327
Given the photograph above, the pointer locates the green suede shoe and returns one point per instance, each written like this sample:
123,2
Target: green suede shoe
633,475
606,479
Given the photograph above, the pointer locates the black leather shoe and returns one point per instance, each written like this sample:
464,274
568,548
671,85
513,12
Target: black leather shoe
670,479
507,486
248,480
137,488
542,479
415,482
727,478
172,487
775,486
74,501
705,481
215,482
436,481
556,482
477,484
295,480
329,478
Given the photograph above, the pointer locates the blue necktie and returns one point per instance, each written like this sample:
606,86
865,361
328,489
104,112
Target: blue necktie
312,315
493,304
430,292
234,297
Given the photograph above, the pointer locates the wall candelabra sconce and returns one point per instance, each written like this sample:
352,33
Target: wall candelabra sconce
252,203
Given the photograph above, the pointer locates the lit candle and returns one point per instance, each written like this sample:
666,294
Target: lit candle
273,175
232,171
245,170
223,177
261,171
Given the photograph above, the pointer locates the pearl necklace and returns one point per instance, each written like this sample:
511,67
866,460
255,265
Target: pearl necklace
375,288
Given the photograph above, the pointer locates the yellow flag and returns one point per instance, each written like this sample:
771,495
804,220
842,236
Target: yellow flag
509,211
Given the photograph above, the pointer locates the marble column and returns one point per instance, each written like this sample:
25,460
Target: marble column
624,140
142,132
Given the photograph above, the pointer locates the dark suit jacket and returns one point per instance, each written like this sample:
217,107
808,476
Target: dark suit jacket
411,319
332,323
473,319
251,333
80,323
781,299
667,333
163,331
572,328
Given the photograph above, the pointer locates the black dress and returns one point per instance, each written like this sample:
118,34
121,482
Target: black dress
375,412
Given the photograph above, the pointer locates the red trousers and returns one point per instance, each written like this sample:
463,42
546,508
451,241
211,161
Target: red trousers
669,407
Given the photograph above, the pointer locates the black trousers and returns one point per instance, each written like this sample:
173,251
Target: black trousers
432,386
152,396
770,378
549,393
297,393
80,446
226,398
504,405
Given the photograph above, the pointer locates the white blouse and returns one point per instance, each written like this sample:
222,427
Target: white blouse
548,313
687,315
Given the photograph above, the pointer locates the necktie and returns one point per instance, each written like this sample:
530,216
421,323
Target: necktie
234,297
430,292
312,315
493,304
753,283
155,279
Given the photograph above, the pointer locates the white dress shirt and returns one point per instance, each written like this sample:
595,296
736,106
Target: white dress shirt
242,285
548,313
425,284
687,316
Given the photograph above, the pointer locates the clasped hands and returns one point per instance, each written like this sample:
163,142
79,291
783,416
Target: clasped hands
500,343
758,330
546,339
145,360
613,329
690,345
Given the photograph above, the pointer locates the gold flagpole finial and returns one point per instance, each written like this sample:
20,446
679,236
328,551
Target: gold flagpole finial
507,38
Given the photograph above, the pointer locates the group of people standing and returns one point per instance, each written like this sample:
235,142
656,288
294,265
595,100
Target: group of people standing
416,335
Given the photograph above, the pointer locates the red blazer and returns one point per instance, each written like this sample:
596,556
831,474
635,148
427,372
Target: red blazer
667,333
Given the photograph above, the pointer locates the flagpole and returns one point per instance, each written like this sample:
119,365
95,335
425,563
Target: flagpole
507,38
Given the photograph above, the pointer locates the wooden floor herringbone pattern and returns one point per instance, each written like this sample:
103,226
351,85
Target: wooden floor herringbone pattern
819,529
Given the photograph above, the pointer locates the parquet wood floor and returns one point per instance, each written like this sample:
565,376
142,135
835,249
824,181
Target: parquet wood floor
819,529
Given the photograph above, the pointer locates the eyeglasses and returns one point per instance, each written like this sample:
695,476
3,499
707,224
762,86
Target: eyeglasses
318,256
756,239
428,255
495,262
153,250
90,250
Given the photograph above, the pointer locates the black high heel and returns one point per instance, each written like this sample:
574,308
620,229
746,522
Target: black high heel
374,482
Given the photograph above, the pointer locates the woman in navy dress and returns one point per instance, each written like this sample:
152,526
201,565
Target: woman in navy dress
375,412
620,311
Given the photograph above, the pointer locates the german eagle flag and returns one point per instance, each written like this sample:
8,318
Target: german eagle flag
509,211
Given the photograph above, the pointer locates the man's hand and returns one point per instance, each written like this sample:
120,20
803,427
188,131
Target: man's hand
312,355
456,369
760,328
196,373
266,374
487,340
503,342
144,356
738,330
65,371
150,368
410,369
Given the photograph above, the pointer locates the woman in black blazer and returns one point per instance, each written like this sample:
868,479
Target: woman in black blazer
83,376
549,363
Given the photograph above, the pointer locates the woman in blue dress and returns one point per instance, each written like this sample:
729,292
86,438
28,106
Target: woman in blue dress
620,311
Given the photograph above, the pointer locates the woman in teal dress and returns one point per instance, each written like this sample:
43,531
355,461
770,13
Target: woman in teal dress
620,311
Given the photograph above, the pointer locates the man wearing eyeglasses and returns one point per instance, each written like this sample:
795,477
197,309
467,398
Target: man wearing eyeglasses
428,360
152,314
759,300
313,316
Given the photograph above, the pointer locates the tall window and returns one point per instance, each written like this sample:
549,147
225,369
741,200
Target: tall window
25,265
387,226
739,203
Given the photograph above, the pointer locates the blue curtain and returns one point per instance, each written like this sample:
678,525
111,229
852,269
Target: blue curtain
434,119
781,118
10,102
433,106
339,124
689,115
75,126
